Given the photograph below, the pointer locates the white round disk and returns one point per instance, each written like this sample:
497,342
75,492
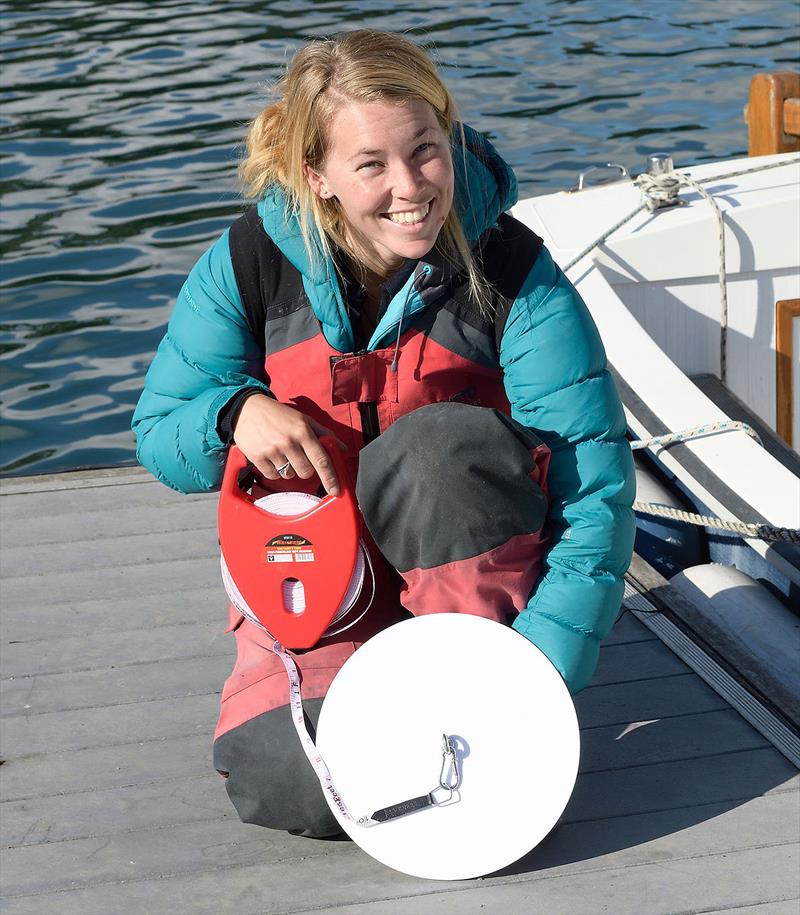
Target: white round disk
507,710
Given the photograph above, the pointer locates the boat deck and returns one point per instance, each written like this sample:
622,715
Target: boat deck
113,655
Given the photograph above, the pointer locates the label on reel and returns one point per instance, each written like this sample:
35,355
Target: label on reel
289,548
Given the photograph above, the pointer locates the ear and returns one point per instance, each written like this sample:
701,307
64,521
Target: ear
317,183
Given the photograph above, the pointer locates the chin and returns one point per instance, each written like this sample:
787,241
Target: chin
413,250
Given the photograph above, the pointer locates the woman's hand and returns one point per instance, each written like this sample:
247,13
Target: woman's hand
271,434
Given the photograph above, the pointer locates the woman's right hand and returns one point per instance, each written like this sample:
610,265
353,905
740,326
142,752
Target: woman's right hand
271,434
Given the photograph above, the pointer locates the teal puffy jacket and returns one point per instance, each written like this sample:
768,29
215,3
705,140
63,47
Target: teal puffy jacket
555,376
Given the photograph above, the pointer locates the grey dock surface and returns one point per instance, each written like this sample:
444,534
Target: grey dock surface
113,656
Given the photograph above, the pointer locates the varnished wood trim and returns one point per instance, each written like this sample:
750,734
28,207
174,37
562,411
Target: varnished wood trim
791,116
767,133
785,312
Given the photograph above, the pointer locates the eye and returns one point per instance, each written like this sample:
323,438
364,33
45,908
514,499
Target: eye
373,164
424,147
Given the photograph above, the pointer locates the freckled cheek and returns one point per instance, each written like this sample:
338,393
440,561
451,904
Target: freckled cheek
441,177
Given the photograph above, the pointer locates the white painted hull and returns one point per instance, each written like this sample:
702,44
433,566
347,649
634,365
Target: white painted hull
652,289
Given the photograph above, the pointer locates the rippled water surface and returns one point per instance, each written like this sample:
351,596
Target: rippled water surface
120,127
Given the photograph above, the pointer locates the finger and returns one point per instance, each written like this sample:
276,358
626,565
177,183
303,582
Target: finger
323,465
266,468
319,429
300,463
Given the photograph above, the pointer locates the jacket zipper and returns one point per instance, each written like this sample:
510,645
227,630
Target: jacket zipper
370,427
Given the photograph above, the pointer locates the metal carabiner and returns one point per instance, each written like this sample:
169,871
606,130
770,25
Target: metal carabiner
449,761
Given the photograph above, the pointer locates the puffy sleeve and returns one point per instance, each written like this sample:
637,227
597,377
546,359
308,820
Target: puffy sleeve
558,384
208,358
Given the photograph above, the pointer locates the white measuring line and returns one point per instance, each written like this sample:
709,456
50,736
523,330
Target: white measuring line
446,783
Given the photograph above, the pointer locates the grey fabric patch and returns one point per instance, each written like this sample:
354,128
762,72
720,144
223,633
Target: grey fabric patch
447,482
449,330
270,781
295,326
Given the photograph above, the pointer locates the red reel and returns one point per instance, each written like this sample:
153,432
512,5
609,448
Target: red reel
263,550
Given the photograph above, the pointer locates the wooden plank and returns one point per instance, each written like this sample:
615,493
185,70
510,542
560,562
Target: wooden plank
687,737
147,854
111,553
349,882
99,727
115,686
187,848
110,522
133,611
660,697
628,629
779,907
791,116
109,649
71,479
786,312
53,498
106,813
110,583
686,886
128,704
120,689
140,762
725,777
48,676
636,661
765,113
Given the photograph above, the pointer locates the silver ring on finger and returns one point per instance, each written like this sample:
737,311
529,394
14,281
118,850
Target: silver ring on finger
284,469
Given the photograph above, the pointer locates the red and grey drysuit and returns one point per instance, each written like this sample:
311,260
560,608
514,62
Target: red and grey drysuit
538,360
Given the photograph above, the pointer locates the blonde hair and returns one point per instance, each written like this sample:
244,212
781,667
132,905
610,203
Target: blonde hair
363,66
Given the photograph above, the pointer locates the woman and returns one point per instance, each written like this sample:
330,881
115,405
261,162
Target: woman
379,274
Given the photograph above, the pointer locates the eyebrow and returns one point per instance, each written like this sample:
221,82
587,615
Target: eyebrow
375,152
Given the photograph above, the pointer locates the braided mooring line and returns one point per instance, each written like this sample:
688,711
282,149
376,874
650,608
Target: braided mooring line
697,432
665,191
744,529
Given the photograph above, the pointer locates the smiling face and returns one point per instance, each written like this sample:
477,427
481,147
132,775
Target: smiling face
389,167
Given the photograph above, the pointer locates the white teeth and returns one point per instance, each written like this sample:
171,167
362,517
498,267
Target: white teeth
411,217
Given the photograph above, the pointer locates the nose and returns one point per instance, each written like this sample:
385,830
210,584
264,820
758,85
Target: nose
406,181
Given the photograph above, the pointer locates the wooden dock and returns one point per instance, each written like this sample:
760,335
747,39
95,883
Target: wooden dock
113,655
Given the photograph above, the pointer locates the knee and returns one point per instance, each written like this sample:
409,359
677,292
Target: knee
268,777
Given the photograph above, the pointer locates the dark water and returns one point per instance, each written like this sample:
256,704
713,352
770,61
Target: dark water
120,127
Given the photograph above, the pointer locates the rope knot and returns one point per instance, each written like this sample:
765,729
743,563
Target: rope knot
659,190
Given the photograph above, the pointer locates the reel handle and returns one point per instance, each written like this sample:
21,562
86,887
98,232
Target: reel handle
237,462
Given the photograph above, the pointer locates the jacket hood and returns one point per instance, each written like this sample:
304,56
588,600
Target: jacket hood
485,187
